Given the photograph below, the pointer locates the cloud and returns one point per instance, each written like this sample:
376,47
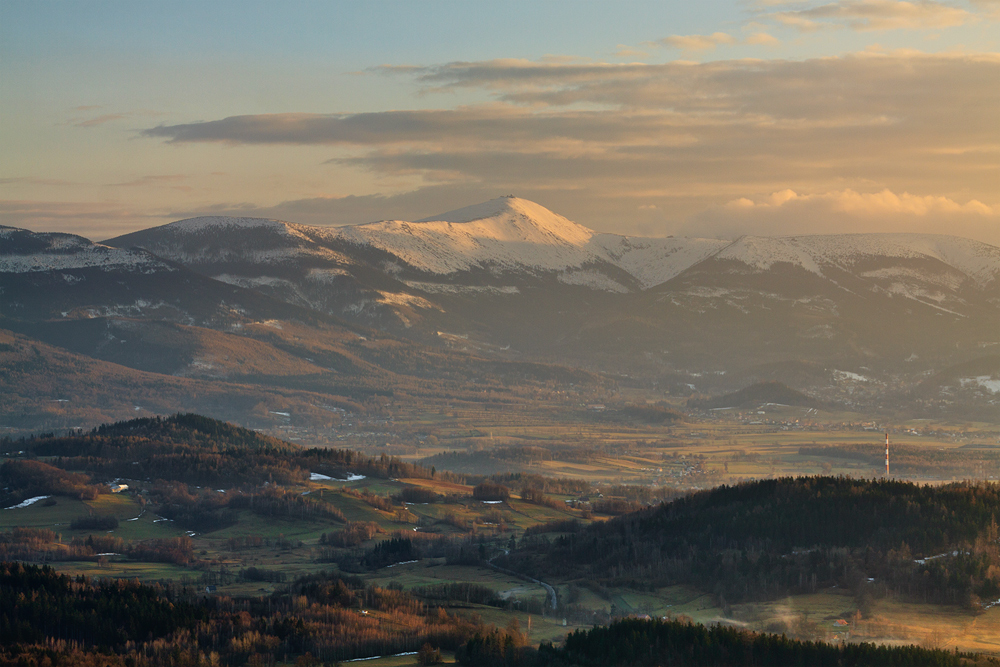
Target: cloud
686,137
873,203
100,120
110,117
761,39
785,212
876,15
625,51
697,42
174,181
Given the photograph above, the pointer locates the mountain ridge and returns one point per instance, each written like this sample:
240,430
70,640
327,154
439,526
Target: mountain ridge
512,234
511,280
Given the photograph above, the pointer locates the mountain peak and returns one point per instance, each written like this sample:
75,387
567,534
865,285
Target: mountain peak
511,218
508,204
506,231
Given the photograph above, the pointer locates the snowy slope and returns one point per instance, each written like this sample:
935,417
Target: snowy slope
505,232
214,239
22,251
653,261
978,261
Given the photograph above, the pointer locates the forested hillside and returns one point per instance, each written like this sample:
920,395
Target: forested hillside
765,539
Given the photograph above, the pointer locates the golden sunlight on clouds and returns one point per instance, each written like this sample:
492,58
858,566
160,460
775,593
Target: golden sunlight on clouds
698,42
876,15
785,212
586,137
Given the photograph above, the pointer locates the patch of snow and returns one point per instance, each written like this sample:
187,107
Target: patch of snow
923,561
950,280
376,657
592,279
492,502
405,562
253,281
985,381
351,477
404,299
326,275
445,288
85,255
26,503
847,375
317,477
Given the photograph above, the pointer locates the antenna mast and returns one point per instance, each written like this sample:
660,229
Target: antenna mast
887,455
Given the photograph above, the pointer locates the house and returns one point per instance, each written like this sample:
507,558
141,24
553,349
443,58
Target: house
210,589
118,488
840,624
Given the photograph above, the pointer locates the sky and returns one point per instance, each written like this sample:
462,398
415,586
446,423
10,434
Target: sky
716,118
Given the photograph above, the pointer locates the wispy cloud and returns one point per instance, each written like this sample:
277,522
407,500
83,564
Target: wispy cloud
698,42
173,180
761,39
875,15
625,51
103,119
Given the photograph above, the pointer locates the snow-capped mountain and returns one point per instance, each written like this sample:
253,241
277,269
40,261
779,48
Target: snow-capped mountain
510,237
510,278
502,237
509,274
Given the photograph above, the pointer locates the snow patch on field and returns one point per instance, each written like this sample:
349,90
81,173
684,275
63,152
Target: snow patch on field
26,503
